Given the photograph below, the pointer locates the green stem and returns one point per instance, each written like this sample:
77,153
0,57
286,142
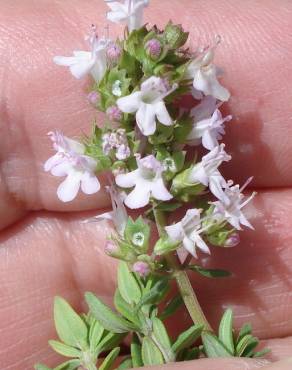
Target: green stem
182,280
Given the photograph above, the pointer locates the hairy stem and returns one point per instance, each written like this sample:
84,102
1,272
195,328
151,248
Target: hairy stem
183,282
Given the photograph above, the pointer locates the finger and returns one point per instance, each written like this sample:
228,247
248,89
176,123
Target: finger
280,365
47,255
214,364
55,99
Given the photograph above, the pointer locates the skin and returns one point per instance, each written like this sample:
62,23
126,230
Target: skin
45,248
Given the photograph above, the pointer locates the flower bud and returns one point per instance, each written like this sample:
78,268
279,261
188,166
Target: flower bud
175,35
232,241
114,113
113,52
92,97
141,268
153,48
111,249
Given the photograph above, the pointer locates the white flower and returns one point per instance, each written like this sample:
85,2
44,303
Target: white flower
131,12
116,141
205,108
205,74
230,208
206,172
148,104
71,161
118,215
85,62
148,181
188,232
209,130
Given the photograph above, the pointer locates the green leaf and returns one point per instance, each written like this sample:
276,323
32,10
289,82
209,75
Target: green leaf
110,341
110,359
125,309
95,334
64,350
151,354
213,347
165,245
70,327
171,307
226,330
155,294
187,338
128,286
42,367
261,353
192,354
249,349
244,343
168,207
107,318
210,273
161,335
69,365
245,330
126,364
136,352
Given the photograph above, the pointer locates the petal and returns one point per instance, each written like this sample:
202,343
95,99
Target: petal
198,175
159,190
205,109
175,232
130,103
52,162
216,183
68,189
61,169
206,81
200,243
182,254
138,198
209,139
127,180
115,6
82,68
162,114
189,246
89,183
64,61
146,119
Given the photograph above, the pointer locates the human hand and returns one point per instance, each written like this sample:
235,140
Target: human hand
46,251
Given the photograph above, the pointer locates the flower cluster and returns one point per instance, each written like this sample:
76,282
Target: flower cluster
157,156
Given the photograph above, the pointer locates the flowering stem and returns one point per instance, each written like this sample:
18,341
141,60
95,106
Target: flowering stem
183,282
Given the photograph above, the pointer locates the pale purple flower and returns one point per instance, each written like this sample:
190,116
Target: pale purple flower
141,268
204,74
114,113
188,231
129,12
92,97
147,180
118,142
230,207
113,52
92,62
153,48
148,104
71,161
206,172
208,131
111,247
118,216
232,241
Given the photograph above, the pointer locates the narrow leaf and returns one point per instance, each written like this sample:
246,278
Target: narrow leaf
128,286
95,334
151,354
245,330
70,327
213,347
155,294
160,334
110,341
108,319
209,273
136,352
125,308
69,365
110,359
261,353
249,349
42,367
171,307
187,338
243,343
64,350
126,364
226,330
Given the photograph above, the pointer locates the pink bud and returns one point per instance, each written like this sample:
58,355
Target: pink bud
110,248
92,97
114,113
141,268
232,241
153,48
113,52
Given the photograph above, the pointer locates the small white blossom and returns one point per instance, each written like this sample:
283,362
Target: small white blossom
116,88
230,207
130,12
118,215
204,74
85,62
147,180
188,232
116,141
138,239
71,161
148,104
209,130
206,172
